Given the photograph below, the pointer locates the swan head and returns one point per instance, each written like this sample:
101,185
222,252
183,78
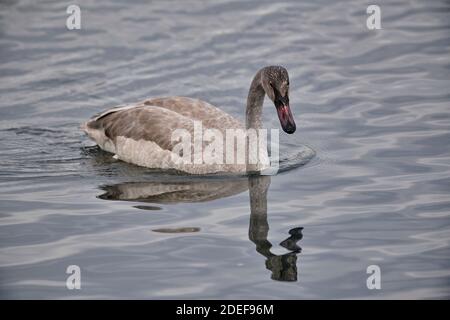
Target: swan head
275,82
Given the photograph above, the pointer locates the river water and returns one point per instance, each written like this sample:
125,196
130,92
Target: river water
372,105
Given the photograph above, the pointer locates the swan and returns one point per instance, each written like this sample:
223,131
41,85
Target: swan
142,133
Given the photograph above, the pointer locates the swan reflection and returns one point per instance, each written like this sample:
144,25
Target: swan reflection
283,267
174,191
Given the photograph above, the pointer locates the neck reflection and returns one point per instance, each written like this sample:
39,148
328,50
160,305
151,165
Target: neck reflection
283,267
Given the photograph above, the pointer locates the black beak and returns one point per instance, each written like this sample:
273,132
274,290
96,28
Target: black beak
285,115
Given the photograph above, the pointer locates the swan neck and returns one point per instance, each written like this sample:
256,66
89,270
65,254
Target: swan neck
255,102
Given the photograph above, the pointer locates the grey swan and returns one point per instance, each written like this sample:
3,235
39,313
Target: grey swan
141,133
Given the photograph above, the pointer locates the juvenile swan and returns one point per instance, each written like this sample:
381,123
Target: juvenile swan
142,133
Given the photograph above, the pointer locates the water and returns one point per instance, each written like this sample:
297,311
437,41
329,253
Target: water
373,105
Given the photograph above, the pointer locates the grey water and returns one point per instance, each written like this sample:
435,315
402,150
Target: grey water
371,106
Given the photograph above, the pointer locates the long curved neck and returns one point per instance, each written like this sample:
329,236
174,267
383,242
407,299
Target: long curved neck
255,101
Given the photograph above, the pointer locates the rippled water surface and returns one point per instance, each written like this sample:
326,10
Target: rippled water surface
373,105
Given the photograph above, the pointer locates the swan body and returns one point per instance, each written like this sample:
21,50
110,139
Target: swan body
141,133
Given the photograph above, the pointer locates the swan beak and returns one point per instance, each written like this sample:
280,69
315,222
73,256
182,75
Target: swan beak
286,118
